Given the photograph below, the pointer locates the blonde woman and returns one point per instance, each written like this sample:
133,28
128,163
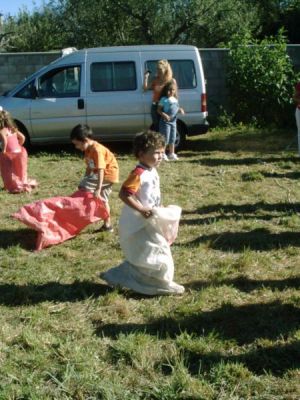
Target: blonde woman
164,74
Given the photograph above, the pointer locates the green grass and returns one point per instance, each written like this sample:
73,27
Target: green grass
234,334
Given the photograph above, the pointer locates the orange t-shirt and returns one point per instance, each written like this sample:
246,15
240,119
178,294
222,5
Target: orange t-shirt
97,157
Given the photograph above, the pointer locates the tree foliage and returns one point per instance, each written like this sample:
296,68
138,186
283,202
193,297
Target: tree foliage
277,14
204,23
88,23
260,79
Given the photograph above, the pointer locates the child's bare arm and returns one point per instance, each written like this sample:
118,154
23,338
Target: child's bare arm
3,140
133,203
146,79
100,177
162,114
21,138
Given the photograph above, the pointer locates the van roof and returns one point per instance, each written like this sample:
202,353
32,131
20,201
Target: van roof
156,47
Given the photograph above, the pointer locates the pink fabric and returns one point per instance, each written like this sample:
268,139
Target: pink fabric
13,145
13,168
60,218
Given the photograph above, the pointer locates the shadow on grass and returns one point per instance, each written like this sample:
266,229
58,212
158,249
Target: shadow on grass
287,175
215,162
245,208
25,238
234,217
23,295
68,148
276,360
239,211
244,324
257,239
248,285
246,140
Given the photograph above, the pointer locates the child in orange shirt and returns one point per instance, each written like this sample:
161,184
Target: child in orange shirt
102,169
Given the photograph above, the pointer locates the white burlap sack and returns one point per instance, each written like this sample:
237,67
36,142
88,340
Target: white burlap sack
149,267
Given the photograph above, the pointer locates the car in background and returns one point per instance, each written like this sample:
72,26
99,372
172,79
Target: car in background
103,87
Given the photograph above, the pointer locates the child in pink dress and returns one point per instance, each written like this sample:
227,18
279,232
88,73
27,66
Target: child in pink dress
13,158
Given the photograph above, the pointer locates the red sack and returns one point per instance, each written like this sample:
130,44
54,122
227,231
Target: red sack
13,168
60,218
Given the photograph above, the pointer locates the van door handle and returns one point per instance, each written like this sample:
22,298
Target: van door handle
80,104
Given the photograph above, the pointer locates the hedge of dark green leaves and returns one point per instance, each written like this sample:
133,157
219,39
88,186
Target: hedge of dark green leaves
261,80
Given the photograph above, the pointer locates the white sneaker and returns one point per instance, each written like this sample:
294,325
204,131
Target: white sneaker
165,157
173,157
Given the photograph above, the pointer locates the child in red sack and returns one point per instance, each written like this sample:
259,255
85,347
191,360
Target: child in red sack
60,218
13,158
102,169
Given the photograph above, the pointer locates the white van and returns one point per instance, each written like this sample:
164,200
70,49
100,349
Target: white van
103,87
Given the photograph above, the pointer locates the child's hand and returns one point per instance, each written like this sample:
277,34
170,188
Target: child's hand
97,194
181,111
146,212
166,117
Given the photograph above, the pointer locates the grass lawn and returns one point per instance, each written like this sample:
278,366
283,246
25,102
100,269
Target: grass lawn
234,334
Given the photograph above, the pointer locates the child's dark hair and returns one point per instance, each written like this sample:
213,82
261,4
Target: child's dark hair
81,133
167,87
147,140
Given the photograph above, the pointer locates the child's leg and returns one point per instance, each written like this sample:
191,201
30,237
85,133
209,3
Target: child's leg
105,192
172,139
107,221
171,148
164,129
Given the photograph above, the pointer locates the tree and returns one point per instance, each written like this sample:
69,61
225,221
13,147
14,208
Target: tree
277,14
89,23
260,79
36,31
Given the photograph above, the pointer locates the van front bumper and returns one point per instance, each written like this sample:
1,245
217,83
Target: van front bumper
197,129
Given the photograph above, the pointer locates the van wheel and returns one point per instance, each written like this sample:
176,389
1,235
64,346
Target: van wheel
180,136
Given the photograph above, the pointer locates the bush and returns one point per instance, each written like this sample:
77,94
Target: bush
261,80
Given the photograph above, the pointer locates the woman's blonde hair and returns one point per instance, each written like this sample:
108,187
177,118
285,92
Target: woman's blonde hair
6,121
166,69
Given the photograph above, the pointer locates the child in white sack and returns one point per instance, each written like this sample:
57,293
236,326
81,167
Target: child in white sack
146,229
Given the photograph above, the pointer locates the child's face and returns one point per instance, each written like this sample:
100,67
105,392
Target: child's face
79,145
171,91
152,157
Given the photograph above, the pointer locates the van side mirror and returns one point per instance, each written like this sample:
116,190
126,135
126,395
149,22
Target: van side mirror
34,92
35,89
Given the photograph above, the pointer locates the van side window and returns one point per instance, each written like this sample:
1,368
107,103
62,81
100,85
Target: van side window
26,92
183,72
113,76
60,82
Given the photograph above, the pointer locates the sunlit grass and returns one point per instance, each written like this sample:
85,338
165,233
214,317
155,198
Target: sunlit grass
233,335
